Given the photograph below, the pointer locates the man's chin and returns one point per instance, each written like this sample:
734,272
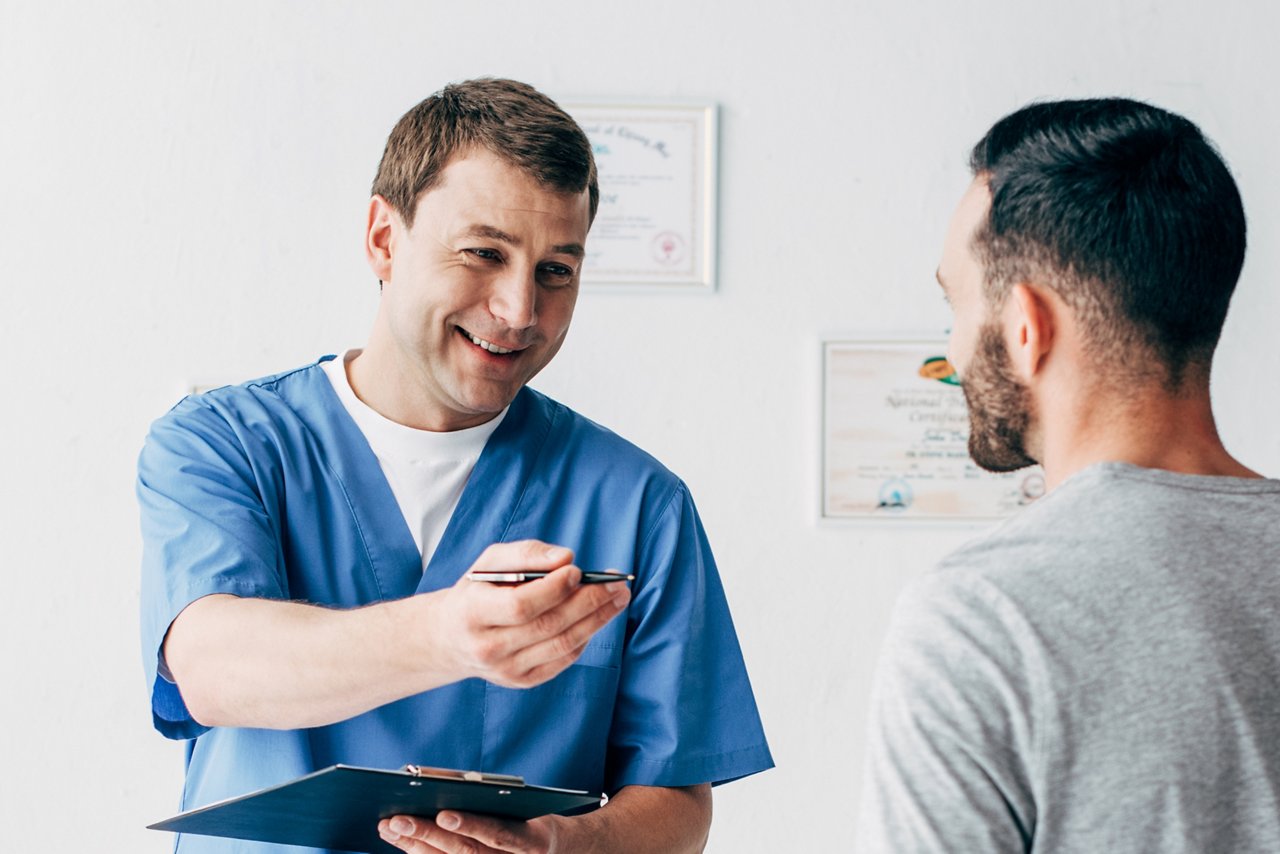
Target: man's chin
488,399
999,459
1001,465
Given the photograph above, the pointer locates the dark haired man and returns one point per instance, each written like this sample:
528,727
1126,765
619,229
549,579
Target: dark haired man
307,535
1101,672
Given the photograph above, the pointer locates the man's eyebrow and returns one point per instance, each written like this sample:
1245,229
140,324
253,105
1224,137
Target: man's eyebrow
489,232
575,249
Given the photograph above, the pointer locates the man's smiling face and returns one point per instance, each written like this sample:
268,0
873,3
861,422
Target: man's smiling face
482,286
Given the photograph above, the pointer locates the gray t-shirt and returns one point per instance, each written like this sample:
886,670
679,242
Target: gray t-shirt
1100,673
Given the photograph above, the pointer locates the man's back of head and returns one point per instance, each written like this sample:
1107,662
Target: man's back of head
1090,268
1129,213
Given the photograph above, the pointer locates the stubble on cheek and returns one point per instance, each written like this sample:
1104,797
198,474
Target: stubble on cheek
999,407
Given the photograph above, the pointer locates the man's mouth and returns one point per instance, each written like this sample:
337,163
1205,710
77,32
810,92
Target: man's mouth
485,345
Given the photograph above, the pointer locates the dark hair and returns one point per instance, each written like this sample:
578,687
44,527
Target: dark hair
511,119
1128,212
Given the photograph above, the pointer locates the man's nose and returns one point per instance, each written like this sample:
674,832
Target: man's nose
514,298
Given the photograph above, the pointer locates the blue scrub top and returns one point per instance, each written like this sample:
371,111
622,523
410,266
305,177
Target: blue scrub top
270,490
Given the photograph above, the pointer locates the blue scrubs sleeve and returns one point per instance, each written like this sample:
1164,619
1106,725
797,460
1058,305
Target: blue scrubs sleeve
205,529
685,711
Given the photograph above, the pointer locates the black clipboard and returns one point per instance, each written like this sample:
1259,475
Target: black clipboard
339,807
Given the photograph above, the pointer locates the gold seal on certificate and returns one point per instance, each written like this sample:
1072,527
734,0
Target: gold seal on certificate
656,223
896,439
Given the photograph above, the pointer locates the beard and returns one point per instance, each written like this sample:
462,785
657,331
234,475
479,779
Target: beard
999,406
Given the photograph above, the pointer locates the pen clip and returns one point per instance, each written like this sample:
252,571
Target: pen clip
469,776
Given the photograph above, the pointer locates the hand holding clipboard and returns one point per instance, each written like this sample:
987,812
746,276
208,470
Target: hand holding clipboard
339,807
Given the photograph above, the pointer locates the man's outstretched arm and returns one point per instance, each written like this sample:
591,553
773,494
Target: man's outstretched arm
244,662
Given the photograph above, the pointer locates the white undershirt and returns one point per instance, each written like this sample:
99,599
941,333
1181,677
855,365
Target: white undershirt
427,471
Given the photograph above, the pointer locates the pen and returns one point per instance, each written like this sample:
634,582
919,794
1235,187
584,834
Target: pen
531,574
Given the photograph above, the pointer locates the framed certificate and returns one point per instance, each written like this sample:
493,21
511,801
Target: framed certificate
656,224
896,438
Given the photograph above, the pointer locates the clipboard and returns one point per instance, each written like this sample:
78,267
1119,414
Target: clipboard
339,807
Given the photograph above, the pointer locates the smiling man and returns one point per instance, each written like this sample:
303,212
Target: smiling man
307,535
1102,671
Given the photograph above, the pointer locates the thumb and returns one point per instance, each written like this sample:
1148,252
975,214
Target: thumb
524,554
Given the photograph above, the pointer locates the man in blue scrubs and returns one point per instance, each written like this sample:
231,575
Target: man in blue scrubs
307,535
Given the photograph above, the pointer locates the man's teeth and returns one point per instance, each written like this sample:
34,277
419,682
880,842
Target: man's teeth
487,345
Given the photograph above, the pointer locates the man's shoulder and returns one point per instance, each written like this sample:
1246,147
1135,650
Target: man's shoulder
1109,528
1012,567
1013,545
1113,508
231,421
246,400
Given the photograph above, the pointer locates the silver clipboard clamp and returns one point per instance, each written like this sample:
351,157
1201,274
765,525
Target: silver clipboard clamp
511,780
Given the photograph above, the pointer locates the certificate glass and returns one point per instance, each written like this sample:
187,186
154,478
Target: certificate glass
656,223
896,439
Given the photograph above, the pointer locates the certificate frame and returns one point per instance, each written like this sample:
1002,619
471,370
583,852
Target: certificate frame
895,438
656,226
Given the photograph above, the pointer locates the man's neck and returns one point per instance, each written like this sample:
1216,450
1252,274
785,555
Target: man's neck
389,387
1146,427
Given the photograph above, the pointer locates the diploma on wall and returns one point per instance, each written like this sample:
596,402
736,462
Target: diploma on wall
339,807
896,438
656,224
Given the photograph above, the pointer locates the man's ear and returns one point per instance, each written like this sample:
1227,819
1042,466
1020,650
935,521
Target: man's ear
379,237
1031,320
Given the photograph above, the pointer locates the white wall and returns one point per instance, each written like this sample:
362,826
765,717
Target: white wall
181,194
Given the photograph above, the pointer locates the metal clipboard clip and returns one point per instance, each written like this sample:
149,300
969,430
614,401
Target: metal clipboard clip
512,780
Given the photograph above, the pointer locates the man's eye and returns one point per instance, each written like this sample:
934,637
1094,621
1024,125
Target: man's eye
486,254
556,274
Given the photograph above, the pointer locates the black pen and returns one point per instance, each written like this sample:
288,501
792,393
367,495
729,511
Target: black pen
496,577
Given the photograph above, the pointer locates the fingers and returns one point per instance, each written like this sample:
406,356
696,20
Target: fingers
521,635
548,605
543,660
492,833
419,836
465,834
513,606
554,641
524,554
525,603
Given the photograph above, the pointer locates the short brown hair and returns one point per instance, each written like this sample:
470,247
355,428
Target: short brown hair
1129,213
511,119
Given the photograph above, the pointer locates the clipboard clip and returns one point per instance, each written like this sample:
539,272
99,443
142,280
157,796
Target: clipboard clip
470,776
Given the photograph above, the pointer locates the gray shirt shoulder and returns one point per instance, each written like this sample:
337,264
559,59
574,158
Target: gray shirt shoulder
1093,674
